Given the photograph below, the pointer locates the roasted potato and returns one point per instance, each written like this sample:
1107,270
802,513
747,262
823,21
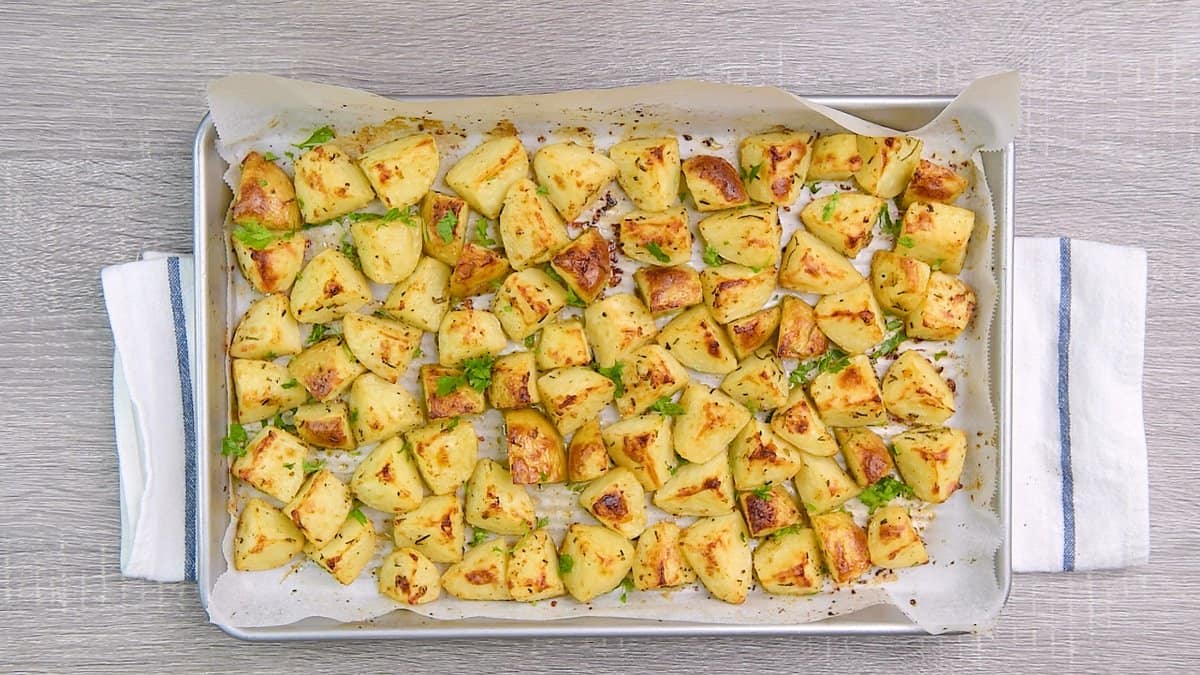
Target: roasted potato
733,291
713,183
387,249
265,196
347,554
945,310
445,453
650,374
379,409
797,423
530,228
821,484
892,540
329,288
852,319
931,461
403,170
273,463
749,333
325,425
264,538
658,560
799,337
849,397
662,238
484,175
835,157
444,226
759,382
790,563
533,569
319,507
572,175
274,267
482,574
899,282
643,445
593,560
585,265
666,289
587,458
448,393
936,234
843,545
933,183
329,185
696,339
262,389
467,334
408,577
812,266
535,448
423,298
496,504
757,457
325,369
514,381
563,344
915,393
617,326
888,163
768,510
572,396
435,528
844,220
747,236
618,501
718,550
866,455
776,165
384,346
526,302
698,489
388,479
477,270
709,423
648,171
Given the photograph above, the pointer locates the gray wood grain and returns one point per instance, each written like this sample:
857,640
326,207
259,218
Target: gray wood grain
100,104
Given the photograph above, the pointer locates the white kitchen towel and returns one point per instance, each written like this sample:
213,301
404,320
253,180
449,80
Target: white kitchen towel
151,307
1079,489
1080,496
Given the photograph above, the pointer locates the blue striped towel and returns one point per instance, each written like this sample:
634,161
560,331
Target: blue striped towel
1080,487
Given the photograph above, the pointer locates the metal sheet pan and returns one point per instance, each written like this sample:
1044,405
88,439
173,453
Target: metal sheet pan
213,267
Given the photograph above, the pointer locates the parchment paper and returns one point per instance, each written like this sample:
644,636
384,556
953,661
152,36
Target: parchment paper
958,590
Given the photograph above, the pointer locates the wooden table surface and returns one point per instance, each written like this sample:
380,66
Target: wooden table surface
100,104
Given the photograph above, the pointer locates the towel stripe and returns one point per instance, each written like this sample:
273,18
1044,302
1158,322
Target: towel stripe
1064,402
189,419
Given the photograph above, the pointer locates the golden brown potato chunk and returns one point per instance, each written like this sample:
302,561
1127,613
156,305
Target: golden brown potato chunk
642,445
265,196
698,489
445,453
866,455
656,238
717,548
585,265
658,561
650,374
893,541
618,501
944,312
899,282
843,544
937,234
915,393
933,183
733,291
572,396
747,236
484,175
329,185
535,448
330,287
526,302
403,170
478,270
713,183
572,175
810,266
776,165
888,163
587,458
533,568
326,369
265,538
835,157
272,268
696,339
408,577
755,330
852,319
666,289
448,394
931,461
273,463
563,344
790,563
799,337
648,171
514,381
444,226
844,220
849,397
797,423
325,425
768,510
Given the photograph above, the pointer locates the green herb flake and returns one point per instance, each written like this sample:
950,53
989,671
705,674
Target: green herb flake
234,442
446,384
452,424
254,236
541,522
313,466
353,415
481,232
529,341
613,373
418,352
711,257
289,466
270,156
348,249
478,536
262,182
886,224
763,491
289,154
542,190
626,588
937,264
577,487
445,226
659,254
565,563
358,515
830,206
882,492
750,174
318,333
814,188
322,135
290,384
938,356
790,529
906,241
892,341
478,371
666,407
832,361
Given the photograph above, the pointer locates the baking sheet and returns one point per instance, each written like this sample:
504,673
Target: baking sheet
958,591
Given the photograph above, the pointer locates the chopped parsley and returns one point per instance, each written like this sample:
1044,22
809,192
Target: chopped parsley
255,236
565,563
477,373
813,188
656,251
937,264
827,211
358,515
452,424
892,341
448,383
882,492
318,137
529,341
290,384
751,173
832,361
481,232
313,466
289,466
234,443
666,407
906,241
349,250
445,226
478,536
573,299
711,257
763,491
353,415
886,224
626,587
613,373
319,332
541,522
541,190
938,356
270,156
790,529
